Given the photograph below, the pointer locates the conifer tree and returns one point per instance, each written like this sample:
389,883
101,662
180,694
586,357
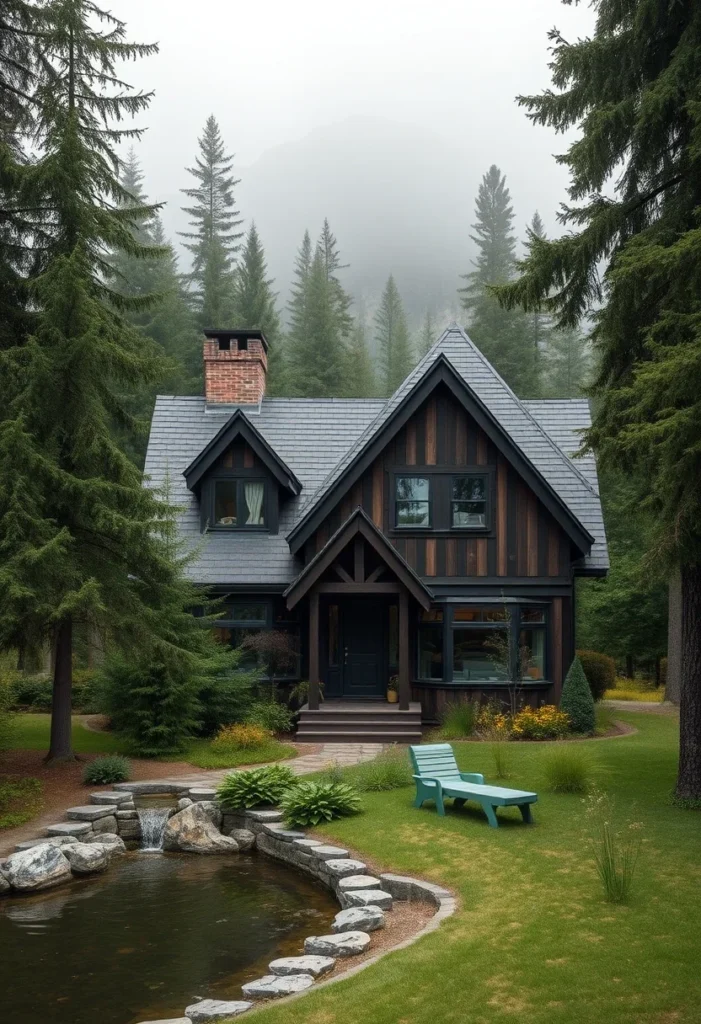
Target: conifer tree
299,299
635,192
393,341
214,240
328,247
428,335
360,372
315,354
255,305
539,319
80,537
567,363
502,335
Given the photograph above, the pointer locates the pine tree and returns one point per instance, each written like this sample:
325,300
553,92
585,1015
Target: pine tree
360,372
328,247
428,335
299,300
214,242
254,302
577,699
502,335
393,341
635,192
80,537
567,364
539,319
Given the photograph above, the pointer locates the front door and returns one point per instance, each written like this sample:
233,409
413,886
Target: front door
364,657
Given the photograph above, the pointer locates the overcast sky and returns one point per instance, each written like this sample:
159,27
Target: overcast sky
274,71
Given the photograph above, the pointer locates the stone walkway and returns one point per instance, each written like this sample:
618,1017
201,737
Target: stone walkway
653,707
342,754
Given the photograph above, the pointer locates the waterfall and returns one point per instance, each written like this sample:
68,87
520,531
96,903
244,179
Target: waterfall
153,825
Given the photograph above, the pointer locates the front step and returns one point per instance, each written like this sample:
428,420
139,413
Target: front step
407,720
356,736
360,722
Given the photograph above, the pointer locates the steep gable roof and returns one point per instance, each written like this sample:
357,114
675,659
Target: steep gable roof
571,488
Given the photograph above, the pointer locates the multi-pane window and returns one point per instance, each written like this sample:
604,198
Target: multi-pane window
431,644
413,501
239,504
531,642
469,502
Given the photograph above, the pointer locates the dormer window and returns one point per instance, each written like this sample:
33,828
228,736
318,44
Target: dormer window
238,504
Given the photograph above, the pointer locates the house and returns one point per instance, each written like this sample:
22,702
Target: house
434,536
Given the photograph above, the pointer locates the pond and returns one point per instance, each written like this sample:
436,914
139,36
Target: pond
151,936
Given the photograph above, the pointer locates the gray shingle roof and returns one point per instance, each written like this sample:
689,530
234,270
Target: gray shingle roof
319,438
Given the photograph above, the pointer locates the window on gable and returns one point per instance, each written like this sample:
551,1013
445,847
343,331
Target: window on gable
412,501
469,502
239,504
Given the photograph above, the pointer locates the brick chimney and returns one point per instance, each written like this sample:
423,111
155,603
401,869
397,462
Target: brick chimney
235,367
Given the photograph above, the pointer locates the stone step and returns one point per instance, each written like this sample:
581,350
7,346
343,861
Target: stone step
367,898
358,882
343,868
364,919
396,719
322,734
324,852
215,1009
271,986
199,793
113,797
341,944
314,965
69,828
90,812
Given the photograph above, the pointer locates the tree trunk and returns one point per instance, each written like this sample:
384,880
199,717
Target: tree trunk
689,777
61,746
674,641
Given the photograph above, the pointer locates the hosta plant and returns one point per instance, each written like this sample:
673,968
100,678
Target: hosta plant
258,787
310,803
106,770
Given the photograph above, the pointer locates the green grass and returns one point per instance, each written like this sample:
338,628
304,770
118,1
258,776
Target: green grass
200,753
631,693
534,940
20,800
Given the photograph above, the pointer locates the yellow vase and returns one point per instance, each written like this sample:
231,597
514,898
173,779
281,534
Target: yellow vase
392,696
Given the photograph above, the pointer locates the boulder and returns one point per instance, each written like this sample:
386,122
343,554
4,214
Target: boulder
107,825
113,845
343,868
129,831
365,919
192,831
52,841
272,987
314,965
343,944
246,840
213,811
4,883
69,828
90,812
215,1009
199,794
184,802
359,882
366,898
39,868
86,858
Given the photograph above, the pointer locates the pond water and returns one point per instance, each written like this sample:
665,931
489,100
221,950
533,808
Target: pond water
150,936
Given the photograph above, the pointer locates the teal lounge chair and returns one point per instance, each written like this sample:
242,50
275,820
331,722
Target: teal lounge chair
437,775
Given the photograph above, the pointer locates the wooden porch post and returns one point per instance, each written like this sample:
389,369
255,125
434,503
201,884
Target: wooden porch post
404,689
313,701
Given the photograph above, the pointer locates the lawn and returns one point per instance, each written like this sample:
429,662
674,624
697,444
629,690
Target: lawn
533,939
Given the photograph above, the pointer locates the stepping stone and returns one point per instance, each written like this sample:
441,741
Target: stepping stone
214,1009
359,882
341,868
329,852
278,832
202,793
152,787
343,944
264,816
367,898
365,919
306,844
271,986
69,828
114,797
54,841
314,965
90,812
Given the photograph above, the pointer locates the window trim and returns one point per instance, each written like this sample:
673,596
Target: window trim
410,475
441,479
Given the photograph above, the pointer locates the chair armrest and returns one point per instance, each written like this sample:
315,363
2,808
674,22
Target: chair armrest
472,777
428,778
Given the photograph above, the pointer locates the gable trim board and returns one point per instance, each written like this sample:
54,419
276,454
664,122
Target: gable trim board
441,372
238,425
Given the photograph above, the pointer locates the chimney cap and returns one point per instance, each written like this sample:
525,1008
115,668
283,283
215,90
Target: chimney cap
215,334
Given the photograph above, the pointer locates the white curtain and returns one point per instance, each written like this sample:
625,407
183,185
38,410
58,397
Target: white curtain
254,499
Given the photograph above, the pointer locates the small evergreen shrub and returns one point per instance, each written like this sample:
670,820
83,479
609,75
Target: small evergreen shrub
458,720
391,770
270,715
245,736
568,768
310,803
257,787
108,769
577,700
543,723
600,672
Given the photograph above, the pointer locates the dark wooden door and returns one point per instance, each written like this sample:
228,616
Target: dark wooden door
364,661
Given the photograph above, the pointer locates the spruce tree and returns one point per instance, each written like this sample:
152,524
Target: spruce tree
214,240
635,193
428,335
393,341
328,247
80,537
502,335
255,305
567,364
360,372
539,319
577,699
315,354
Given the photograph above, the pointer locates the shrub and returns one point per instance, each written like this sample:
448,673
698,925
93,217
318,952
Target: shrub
108,769
544,723
270,715
616,849
491,721
577,700
391,770
255,788
458,720
599,670
310,803
568,768
239,737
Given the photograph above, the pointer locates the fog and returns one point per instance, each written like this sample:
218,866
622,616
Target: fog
381,115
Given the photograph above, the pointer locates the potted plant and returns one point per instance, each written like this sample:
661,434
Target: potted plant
393,690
